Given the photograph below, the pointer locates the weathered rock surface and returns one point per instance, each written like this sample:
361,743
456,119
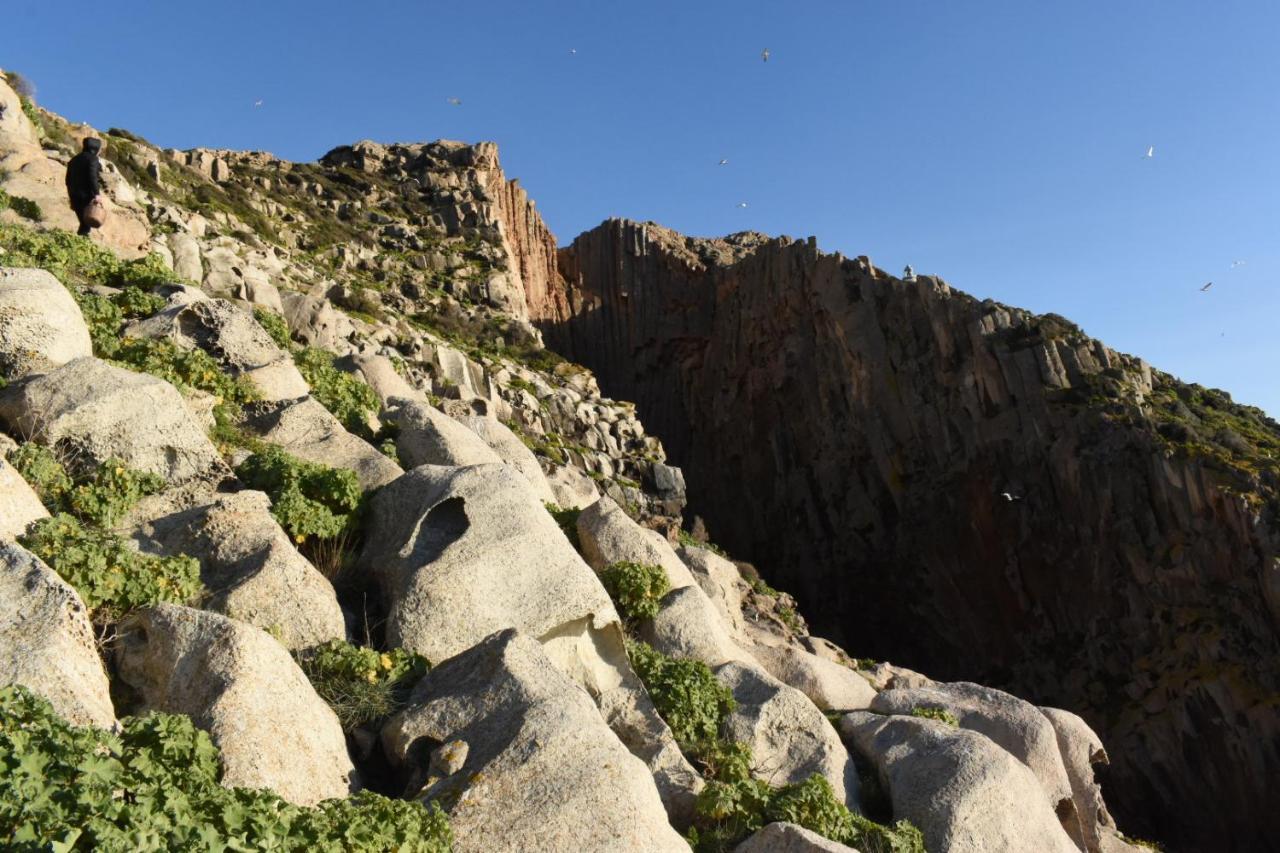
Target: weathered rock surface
608,536
789,838
958,787
688,626
1017,726
241,686
40,324
790,739
98,411
428,436
853,434
307,430
512,450
830,686
250,567
46,641
1081,750
19,505
460,553
542,770
232,336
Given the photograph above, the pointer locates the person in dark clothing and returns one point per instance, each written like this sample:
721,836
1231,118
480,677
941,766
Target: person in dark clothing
84,180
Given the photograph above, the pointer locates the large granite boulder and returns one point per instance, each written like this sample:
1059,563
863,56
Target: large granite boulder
19,504
428,436
541,770
608,535
46,640
790,739
512,450
250,567
245,690
98,411
965,793
789,838
40,324
307,430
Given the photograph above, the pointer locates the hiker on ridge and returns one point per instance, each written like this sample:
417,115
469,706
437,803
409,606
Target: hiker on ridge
84,181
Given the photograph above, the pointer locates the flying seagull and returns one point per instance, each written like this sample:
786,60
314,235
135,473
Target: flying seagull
1235,264
742,204
573,50
1009,498
1151,152
258,103
764,54
1206,287
457,102
724,162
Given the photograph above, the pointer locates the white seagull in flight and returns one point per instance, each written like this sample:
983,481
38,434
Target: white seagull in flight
764,54
1151,152
258,102
457,102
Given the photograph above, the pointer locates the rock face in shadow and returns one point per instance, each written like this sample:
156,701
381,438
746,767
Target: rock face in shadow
968,489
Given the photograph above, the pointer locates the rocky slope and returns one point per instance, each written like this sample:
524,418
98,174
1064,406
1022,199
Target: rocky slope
859,438
275,535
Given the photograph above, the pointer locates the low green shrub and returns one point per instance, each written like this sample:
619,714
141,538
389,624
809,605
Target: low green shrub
568,521
686,538
275,326
637,589
111,576
362,685
154,786
940,714
686,694
24,207
75,261
308,499
733,805
133,301
101,497
349,399
184,368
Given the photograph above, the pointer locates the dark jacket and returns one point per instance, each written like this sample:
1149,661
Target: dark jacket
84,178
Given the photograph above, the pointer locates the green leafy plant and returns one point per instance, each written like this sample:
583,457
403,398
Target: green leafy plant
155,786
349,399
568,521
111,577
24,207
79,262
275,326
308,499
101,497
361,684
636,588
733,805
686,538
942,715
133,301
686,694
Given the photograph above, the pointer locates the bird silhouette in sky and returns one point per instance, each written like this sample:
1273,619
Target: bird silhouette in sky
1151,152
742,204
258,102
724,162
1206,287
764,54
1235,264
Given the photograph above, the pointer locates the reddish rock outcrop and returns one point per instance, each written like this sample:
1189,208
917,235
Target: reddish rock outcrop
964,487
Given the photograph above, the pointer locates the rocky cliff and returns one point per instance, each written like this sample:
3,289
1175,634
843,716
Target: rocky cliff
965,487
308,543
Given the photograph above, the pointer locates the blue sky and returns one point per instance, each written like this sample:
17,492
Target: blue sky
997,143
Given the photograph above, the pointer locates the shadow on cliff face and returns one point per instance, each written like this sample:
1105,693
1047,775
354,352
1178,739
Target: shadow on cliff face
966,489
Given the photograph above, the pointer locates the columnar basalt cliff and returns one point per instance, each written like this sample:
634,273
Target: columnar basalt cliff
962,486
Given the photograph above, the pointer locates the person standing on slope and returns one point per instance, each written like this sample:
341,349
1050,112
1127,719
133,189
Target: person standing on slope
84,181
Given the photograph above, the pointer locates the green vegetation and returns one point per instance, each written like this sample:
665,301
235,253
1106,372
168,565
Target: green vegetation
275,326
308,499
1205,423
568,521
154,786
24,207
761,587
687,539
362,685
942,715
349,399
133,301
637,589
76,261
733,805
686,694
110,575
101,497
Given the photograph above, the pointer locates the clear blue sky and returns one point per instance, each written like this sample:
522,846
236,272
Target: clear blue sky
997,143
